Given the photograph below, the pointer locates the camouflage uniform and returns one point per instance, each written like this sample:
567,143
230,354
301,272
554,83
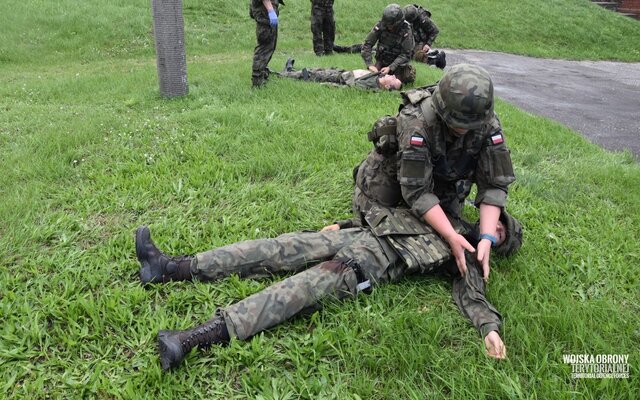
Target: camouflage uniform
424,30
429,165
394,50
323,26
336,76
267,38
346,261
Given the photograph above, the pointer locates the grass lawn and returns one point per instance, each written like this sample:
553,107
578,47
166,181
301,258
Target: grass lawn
89,151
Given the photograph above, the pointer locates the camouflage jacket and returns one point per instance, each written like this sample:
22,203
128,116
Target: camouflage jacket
424,29
431,166
394,48
365,82
259,13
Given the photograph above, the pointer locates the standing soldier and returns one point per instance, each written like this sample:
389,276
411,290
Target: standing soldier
424,29
348,259
444,139
265,13
394,45
323,27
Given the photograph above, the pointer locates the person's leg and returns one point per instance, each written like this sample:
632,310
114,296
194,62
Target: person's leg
340,278
329,75
317,31
359,266
267,38
252,258
354,48
329,31
260,311
265,257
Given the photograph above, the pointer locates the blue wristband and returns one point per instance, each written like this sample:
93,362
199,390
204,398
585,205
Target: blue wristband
491,238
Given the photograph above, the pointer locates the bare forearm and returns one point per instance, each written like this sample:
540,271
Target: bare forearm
489,215
267,5
437,219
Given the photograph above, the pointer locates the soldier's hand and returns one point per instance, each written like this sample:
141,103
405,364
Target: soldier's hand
372,68
458,245
332,227
385,70
494,345
273,18
484,251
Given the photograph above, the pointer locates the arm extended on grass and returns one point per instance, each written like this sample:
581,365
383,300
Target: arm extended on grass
469,294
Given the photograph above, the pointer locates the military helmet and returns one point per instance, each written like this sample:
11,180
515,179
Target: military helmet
513,237
464,96
392,16
410,12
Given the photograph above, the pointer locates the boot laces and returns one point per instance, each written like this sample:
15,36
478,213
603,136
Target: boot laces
203,336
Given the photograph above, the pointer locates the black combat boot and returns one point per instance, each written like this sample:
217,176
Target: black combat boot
173,346
437,58
155,266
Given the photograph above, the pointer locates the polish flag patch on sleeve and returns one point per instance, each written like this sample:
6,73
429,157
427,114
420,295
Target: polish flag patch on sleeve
416,141
497,138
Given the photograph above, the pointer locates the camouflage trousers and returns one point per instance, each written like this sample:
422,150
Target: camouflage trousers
323,29
327,278
329,75
267,38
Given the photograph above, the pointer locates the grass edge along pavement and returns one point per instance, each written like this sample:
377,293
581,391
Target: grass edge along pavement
88,158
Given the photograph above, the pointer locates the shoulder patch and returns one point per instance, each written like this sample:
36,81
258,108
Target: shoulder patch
416,140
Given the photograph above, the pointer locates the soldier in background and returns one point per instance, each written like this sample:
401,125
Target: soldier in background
323,26
395,44
445,138
358,78
265,13
344,258
424,30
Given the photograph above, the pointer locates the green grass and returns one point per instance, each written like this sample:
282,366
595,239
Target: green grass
89,151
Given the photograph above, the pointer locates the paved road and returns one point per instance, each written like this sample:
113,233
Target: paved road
599,99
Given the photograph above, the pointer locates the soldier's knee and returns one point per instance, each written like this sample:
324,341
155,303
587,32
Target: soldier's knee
357,282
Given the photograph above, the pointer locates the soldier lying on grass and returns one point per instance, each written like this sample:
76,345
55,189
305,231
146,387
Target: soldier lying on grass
358,78
338,262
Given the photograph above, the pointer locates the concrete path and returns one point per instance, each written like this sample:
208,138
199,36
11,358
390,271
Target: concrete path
599,99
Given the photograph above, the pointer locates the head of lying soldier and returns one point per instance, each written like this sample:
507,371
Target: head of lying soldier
508,233
463,98
389,82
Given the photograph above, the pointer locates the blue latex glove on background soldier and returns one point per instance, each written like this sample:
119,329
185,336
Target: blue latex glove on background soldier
273,19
